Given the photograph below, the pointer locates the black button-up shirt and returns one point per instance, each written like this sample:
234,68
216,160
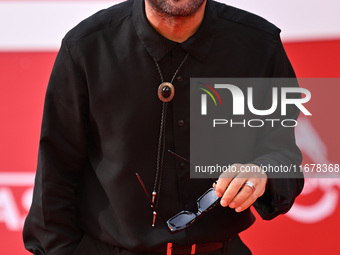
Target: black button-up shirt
101,125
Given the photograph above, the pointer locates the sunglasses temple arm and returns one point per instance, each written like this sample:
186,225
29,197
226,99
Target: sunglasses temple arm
178,156
147,194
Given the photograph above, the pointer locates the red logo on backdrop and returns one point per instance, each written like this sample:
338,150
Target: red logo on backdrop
15,198
326,189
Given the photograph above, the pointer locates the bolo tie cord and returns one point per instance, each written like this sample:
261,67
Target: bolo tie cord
166,92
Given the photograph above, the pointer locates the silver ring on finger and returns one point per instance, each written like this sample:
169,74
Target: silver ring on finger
250,185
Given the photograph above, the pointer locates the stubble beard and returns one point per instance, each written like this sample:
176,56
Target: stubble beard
176,8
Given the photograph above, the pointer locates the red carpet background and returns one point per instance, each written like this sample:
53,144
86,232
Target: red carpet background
24,75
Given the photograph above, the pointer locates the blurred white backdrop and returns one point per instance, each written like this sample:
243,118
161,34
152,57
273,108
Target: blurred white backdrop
40,25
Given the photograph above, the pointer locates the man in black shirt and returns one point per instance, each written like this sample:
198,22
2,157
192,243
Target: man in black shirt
101,125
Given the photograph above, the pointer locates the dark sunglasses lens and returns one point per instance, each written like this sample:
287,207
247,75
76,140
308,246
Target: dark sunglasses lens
181,220
207,200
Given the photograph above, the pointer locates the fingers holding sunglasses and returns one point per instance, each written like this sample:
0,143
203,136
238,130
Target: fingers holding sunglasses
251,190
240,190
229,195
224,181
244,193
251,199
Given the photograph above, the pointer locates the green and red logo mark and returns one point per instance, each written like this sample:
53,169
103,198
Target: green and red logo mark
204,97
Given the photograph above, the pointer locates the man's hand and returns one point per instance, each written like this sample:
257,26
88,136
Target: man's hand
231,186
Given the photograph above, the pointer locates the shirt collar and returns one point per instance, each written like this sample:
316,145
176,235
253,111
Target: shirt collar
158,46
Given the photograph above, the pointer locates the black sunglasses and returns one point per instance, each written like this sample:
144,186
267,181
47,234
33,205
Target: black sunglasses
184,218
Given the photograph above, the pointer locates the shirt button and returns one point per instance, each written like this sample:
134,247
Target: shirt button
182,165
181,123
179,79
187,207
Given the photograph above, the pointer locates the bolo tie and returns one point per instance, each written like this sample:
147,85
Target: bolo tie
166,92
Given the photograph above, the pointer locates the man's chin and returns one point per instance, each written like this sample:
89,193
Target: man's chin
176,8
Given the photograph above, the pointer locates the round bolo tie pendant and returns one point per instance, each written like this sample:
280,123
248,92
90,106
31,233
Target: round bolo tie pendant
166,92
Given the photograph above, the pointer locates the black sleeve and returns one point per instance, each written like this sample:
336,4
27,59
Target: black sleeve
50,227
277,147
